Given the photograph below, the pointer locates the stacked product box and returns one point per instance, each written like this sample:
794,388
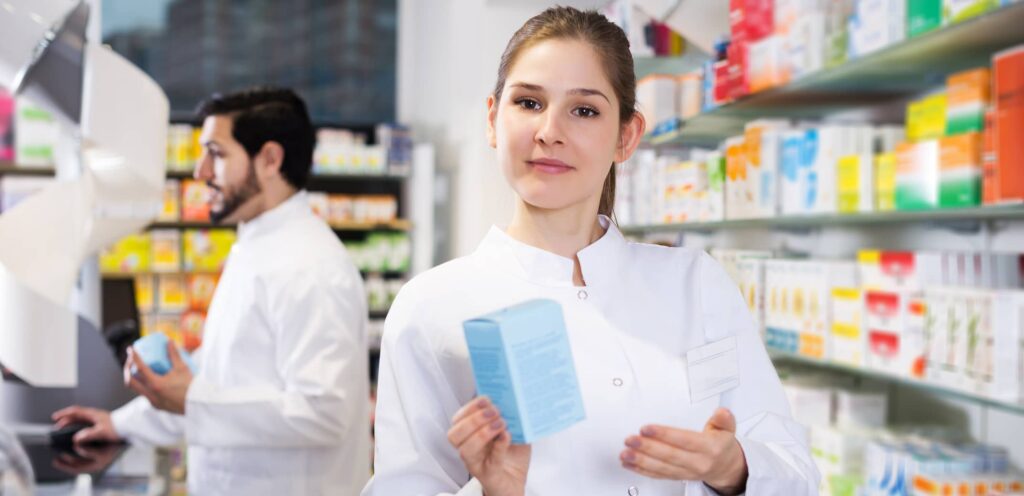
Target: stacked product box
798,313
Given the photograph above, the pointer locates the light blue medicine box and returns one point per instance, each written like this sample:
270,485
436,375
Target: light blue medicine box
523,362
153,350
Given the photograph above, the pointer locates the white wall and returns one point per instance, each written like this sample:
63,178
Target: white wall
448,53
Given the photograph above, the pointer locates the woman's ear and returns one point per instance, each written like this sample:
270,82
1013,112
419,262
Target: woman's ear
492,114
630,136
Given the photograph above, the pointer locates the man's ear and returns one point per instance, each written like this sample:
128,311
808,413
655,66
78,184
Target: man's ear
270,158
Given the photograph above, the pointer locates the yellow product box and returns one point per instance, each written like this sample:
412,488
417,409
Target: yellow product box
736,189
170,210
166,246
206,250
130,255
853,185
926,118
885,182
168,325
969,94
847,343
171,294
144,296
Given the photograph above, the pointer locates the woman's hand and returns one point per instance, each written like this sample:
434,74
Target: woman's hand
713,456
485,446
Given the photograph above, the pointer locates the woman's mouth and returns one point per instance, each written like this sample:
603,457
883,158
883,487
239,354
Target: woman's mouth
550,166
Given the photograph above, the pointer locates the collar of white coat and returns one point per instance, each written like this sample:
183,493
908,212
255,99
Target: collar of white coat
271,220
599,261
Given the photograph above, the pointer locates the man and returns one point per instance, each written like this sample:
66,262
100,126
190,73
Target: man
279,404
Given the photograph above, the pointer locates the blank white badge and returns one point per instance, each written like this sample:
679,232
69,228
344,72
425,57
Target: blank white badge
713,369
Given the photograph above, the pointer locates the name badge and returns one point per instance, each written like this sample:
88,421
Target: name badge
713,369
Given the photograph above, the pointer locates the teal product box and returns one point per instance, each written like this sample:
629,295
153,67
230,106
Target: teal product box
153,350
522,361
923,16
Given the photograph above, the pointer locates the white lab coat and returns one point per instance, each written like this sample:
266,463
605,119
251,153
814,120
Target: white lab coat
280,404
643,307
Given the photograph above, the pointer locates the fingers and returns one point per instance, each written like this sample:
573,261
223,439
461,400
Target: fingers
471,423
142,371
70,414
480,445
652,467
682,462
94,434
139,387
175,356
722,420
680,438
470,407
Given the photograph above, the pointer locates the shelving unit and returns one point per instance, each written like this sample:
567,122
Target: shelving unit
396,225
897,71
956,216
874,88
11,169
930,387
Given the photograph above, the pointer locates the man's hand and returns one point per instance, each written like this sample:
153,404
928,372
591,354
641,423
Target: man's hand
86,459
713,456
165,392
102,430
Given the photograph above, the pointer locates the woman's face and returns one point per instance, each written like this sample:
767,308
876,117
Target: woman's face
557,127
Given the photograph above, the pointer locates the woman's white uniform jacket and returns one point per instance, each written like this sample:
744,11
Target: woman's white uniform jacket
280,404
630,328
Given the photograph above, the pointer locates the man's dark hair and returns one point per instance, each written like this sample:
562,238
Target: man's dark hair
263,114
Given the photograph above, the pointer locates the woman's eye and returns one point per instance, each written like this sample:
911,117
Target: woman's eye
586,112
528,103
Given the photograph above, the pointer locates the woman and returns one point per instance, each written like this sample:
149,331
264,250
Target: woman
562,113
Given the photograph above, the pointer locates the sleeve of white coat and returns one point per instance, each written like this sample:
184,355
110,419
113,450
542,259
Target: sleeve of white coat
775,446
415,404
137,421
318,322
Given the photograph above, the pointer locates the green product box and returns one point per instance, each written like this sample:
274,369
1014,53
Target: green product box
917,175
923,16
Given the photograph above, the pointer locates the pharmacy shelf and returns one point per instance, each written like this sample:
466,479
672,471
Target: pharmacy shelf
315,178
647,65
784,357
939,216
11,169
395,225
897,71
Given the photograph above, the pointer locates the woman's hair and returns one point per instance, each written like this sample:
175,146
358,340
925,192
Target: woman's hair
608,41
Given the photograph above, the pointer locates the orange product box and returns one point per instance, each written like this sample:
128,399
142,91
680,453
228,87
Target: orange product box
989,160
200,290
191,329
194,206
1009,105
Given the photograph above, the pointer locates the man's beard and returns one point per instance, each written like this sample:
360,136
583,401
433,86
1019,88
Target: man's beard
231,202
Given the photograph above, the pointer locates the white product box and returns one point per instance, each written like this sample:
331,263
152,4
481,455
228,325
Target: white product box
750,279
895,326
763,142
861,409
899,270
876,24
792,174
657,97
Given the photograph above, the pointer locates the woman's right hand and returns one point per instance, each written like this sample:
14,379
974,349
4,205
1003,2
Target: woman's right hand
486,448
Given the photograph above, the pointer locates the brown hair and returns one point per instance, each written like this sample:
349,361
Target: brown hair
611,45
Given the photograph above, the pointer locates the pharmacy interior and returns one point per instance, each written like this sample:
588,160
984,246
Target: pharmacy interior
855,166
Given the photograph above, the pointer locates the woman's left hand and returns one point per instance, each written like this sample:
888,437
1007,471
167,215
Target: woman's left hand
713,456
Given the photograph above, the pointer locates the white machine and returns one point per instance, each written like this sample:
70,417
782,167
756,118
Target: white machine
110,174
